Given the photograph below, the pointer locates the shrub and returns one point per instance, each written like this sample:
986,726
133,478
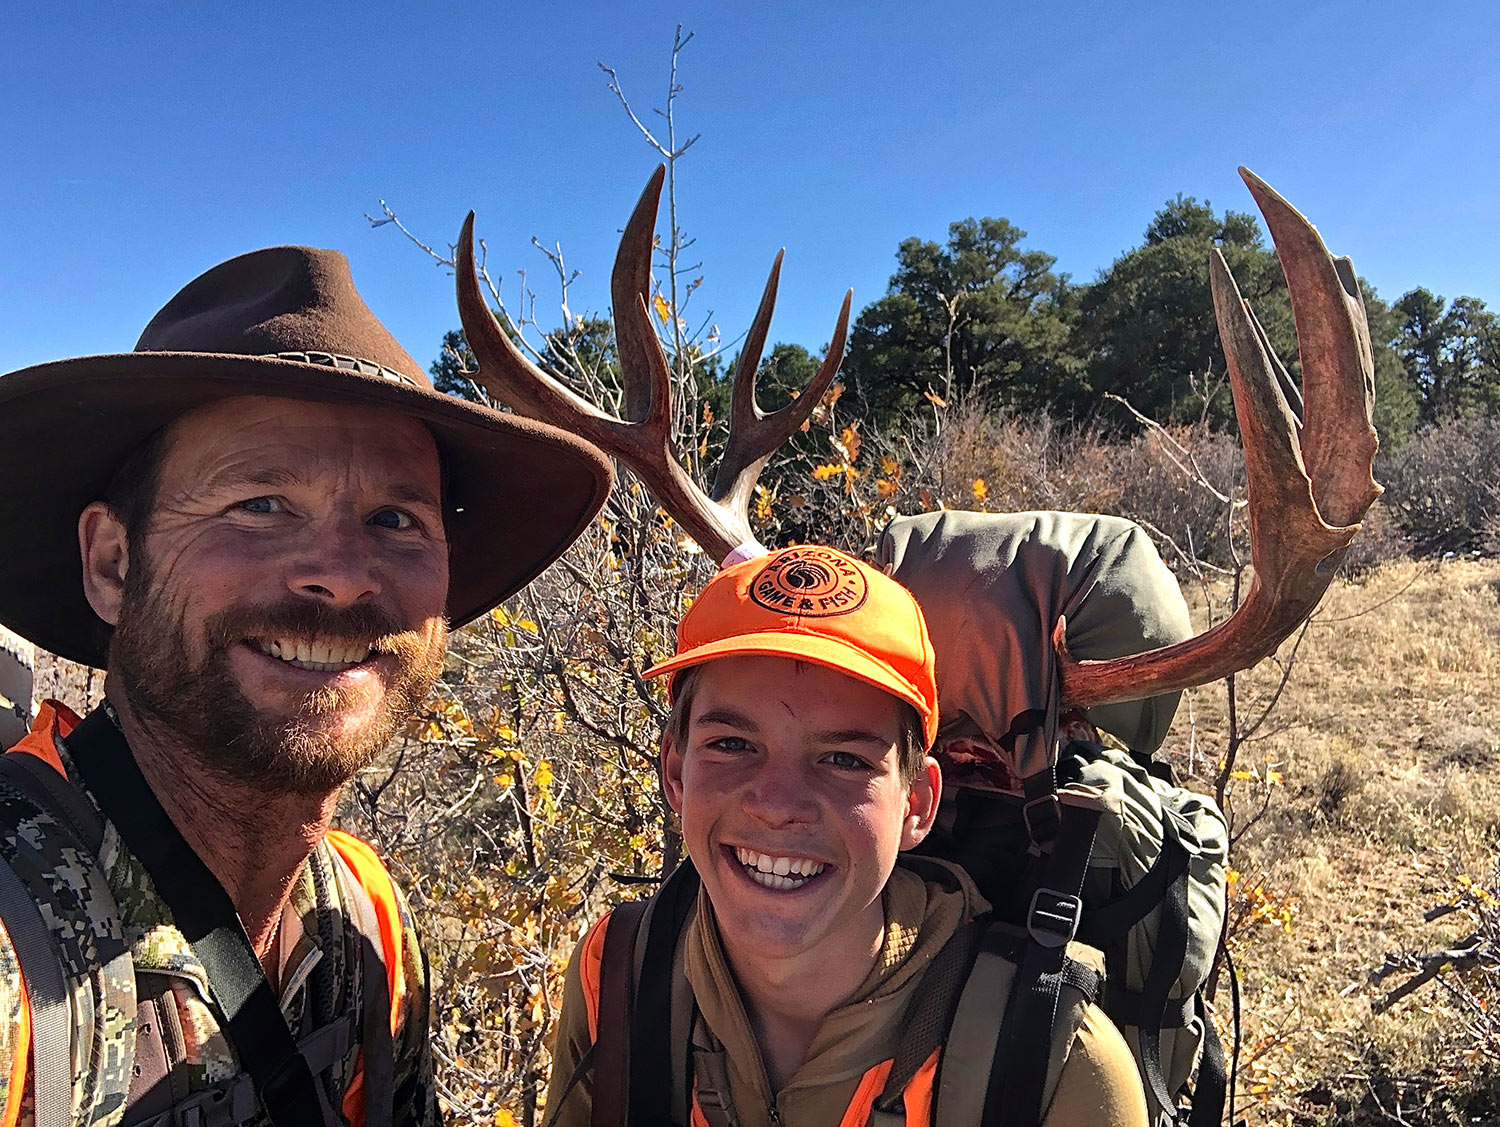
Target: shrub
1443,486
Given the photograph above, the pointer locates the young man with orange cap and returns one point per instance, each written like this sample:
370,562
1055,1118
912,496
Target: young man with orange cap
804,704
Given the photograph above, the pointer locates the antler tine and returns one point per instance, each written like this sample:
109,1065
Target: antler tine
503,368
644,445
1297,469
753,435
743,410
643,439
1338,368
630,279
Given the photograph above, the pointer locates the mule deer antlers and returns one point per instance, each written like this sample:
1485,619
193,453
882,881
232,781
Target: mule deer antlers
719,521
1309,470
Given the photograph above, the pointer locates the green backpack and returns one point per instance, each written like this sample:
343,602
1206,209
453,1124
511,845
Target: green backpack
1068,839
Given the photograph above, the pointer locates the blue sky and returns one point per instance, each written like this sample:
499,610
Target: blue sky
143,143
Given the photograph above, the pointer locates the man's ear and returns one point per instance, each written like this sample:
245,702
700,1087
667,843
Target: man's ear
106,558
671,772
922,803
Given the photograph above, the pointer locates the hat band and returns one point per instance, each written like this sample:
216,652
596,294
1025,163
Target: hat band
349,364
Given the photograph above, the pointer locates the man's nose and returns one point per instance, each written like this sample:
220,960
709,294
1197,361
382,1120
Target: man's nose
336,563
779,798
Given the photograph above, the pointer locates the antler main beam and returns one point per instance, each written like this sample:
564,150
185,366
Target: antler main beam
720,522
1309,479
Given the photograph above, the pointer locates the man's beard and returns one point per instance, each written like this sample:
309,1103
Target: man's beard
205,711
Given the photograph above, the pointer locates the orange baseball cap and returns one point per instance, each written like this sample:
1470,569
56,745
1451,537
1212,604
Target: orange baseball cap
815,604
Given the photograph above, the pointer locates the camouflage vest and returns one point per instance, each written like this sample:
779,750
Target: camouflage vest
97,981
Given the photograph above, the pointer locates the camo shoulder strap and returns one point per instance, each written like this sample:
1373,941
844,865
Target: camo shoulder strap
67,948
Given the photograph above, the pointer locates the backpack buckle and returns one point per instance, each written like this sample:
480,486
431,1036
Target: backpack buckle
1043,816
1053,918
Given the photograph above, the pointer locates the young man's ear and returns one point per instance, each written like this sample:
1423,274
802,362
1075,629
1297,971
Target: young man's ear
106,558
671,772
922,803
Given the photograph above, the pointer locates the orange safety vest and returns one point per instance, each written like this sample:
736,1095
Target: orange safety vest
55,720
917,1097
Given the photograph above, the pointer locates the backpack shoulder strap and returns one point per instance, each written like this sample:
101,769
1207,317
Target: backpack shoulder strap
75,967
1024,1048
641,1076
929,1021
44,1007
611,1101
970,1069
253,1019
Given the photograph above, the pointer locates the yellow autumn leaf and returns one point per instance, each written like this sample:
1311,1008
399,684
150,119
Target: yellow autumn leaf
1243,776
543,776
827,471
504,1118
935,399
980,489
527,625
849,441
885,487
760,507
663,310
499,616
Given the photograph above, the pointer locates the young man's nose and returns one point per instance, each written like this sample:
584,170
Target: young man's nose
779,798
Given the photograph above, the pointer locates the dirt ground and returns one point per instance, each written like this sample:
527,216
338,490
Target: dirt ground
1375,778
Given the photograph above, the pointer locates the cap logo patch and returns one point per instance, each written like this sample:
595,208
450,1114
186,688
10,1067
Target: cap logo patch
811,582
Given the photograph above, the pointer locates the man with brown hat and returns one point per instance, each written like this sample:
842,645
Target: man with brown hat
262,524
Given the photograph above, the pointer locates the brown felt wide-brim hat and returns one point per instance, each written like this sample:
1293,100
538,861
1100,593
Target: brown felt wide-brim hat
284,322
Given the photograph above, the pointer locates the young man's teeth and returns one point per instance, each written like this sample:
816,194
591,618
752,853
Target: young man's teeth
324,657
778,872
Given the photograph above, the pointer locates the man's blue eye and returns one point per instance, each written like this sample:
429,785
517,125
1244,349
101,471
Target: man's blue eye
261,505
393,519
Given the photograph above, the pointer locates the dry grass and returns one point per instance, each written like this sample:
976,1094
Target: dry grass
1387,748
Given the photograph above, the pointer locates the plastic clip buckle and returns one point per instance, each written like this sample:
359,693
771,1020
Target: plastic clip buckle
1043,816
1053,918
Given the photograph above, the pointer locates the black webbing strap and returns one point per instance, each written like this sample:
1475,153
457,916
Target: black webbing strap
653,1037
1152,1009
204,913
1124,1008
1166,966
611,1104
1106,923
584,1066
1211,1089
1018,1073
930,1016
